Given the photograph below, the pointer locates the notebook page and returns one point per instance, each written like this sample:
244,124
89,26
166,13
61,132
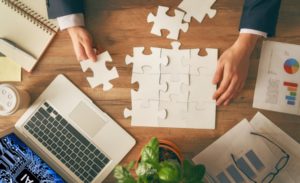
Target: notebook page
23,32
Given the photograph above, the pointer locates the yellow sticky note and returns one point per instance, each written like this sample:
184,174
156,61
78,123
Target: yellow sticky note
9,70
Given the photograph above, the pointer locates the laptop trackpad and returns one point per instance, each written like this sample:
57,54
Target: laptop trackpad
87,119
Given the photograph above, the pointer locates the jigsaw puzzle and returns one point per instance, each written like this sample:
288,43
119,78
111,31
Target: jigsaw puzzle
171,23
197,9
179,95
101,74
141,62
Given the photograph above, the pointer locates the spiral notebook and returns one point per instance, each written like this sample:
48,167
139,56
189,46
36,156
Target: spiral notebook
25,31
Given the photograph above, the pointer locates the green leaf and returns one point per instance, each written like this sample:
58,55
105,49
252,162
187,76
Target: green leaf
199,171
123,175
187,168
145,169
192,173
169,171
150,152
149,155
142,180
130,165
153,143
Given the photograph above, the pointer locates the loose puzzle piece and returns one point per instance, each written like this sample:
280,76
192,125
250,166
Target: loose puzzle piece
201,115
197,9
203,65
101,74
150,62
163,21
176,88
145,116
178,59
149,87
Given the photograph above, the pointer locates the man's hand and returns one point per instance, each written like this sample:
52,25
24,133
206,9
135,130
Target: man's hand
82,43
232,68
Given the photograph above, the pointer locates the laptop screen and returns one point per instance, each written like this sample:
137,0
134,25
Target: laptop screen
18,163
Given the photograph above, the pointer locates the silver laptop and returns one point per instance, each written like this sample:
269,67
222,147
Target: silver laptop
78,140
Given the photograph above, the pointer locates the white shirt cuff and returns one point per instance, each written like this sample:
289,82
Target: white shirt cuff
252,31
71,20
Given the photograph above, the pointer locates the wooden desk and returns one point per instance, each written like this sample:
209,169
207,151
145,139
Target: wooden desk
121,25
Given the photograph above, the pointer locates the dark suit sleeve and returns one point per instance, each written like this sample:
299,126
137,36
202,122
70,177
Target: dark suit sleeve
260,15
58,8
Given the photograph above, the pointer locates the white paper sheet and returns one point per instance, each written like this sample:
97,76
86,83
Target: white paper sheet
264,126
277,86
237,141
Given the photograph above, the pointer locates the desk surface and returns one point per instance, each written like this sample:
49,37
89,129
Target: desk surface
120,25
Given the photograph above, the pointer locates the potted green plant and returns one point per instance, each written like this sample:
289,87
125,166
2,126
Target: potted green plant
160,164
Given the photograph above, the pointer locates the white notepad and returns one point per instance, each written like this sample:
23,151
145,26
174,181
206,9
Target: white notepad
25,23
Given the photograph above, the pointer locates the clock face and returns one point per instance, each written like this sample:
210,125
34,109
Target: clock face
8,99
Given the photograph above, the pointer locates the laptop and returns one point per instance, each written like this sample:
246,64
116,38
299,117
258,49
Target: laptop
70,133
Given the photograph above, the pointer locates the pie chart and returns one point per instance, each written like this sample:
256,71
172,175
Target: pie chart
291,66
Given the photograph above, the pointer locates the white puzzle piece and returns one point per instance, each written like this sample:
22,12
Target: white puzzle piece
176,114
176,89
201,115
163,21
145,116
151,62
178,59
203,65
201,89
149,87
101,74
197,9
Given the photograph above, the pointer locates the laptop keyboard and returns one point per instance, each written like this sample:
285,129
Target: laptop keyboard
66,143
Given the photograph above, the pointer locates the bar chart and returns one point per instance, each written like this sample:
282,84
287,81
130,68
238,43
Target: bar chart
250,164
291,92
